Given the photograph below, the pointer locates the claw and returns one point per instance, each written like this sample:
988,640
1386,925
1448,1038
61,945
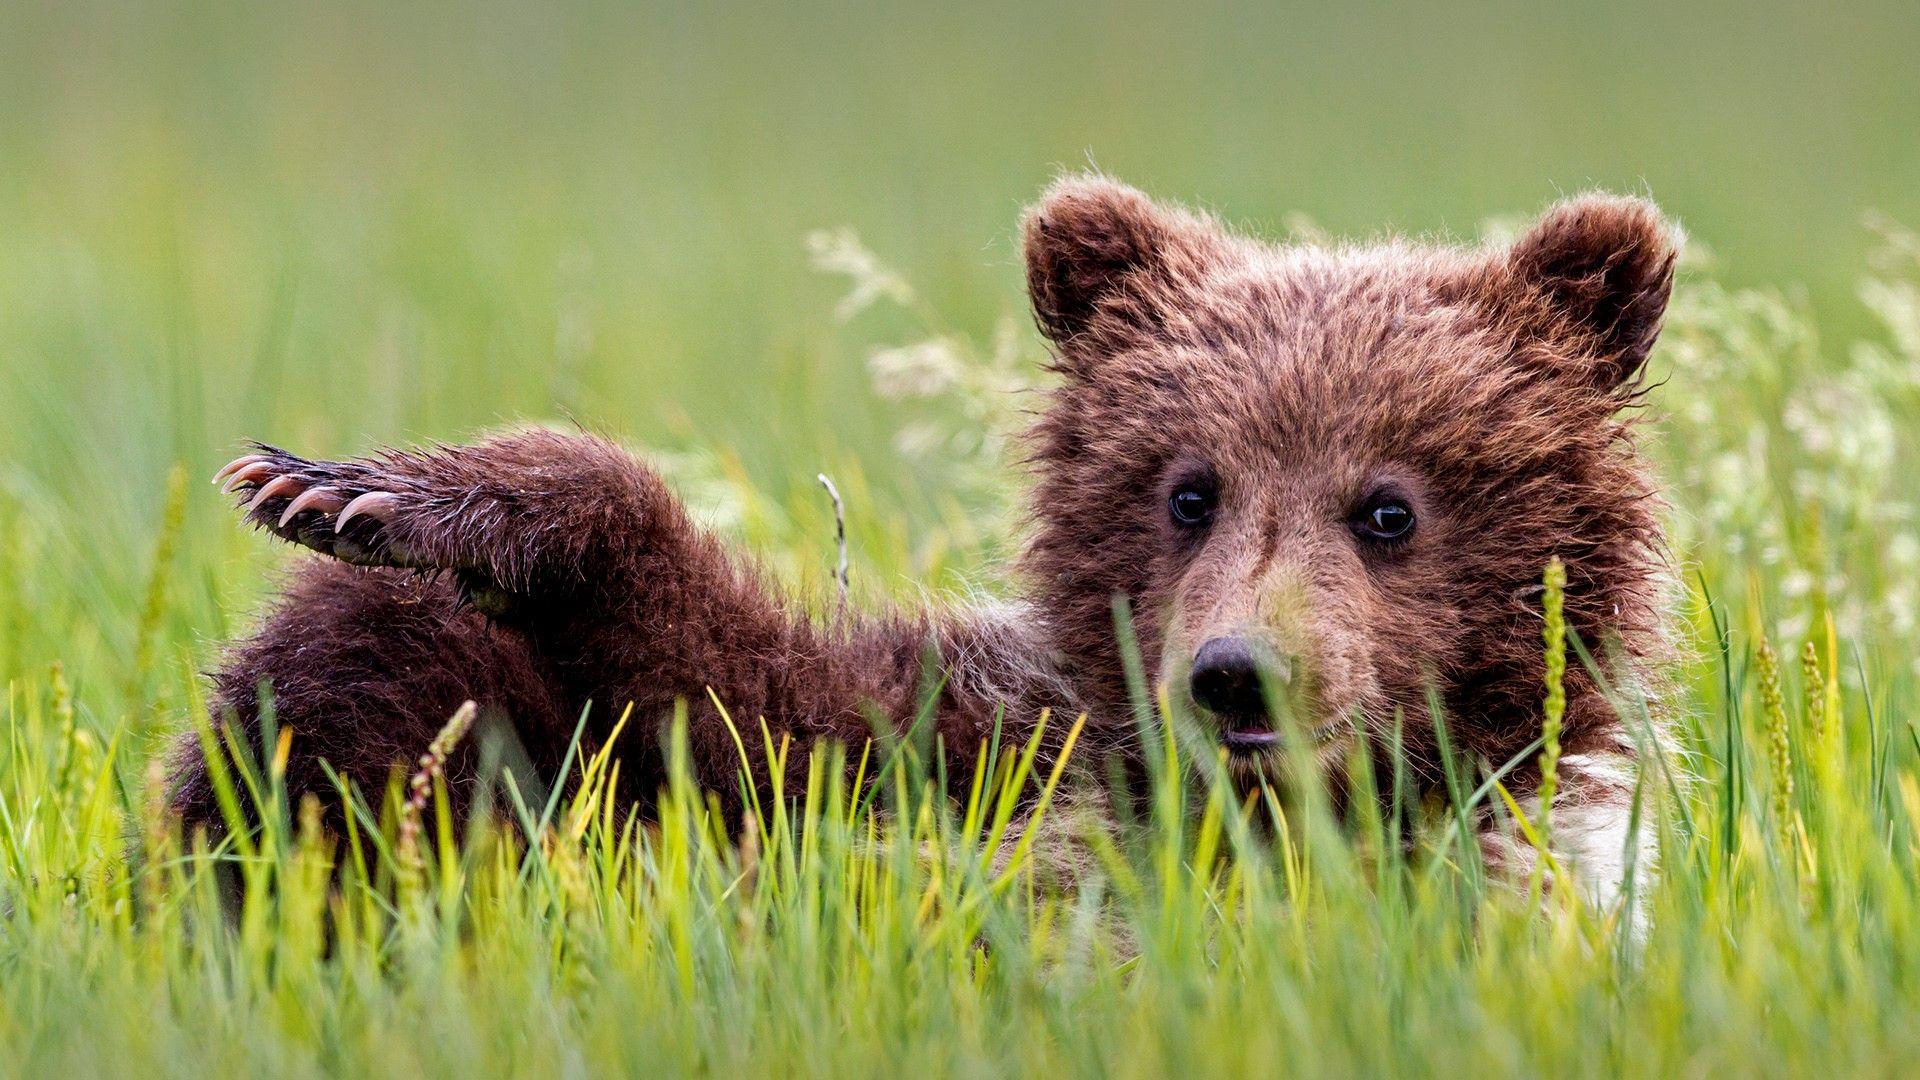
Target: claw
237,464
248,473
276,486
375,504
325,499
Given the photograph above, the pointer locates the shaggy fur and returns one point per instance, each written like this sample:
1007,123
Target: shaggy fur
1483,387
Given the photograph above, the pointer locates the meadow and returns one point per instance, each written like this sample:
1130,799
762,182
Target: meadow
765,243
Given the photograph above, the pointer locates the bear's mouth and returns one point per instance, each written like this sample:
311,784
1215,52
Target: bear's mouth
1254,737
1249,739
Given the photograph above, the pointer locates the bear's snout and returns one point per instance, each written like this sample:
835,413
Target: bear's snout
1230,678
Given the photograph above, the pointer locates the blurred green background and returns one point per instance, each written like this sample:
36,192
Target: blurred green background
333,225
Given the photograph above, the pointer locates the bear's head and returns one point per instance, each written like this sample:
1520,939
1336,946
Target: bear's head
1335,476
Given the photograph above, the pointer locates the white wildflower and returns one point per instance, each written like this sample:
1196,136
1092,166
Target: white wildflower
840,252
922,369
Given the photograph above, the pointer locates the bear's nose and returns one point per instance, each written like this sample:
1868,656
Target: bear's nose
1226,678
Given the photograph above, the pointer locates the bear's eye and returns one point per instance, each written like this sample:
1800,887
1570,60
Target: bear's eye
1384,518
1191,504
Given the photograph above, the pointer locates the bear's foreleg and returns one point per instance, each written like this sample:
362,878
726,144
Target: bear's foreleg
581,548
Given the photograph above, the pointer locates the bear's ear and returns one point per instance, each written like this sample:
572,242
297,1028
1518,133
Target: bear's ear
1089,238
1604,264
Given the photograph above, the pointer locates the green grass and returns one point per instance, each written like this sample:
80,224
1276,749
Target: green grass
333,228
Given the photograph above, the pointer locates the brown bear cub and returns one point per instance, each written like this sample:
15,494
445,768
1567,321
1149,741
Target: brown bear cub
1329,478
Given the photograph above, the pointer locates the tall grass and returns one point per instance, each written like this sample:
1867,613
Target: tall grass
827,931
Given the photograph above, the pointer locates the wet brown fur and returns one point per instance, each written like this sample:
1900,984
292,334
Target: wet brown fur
1486,384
